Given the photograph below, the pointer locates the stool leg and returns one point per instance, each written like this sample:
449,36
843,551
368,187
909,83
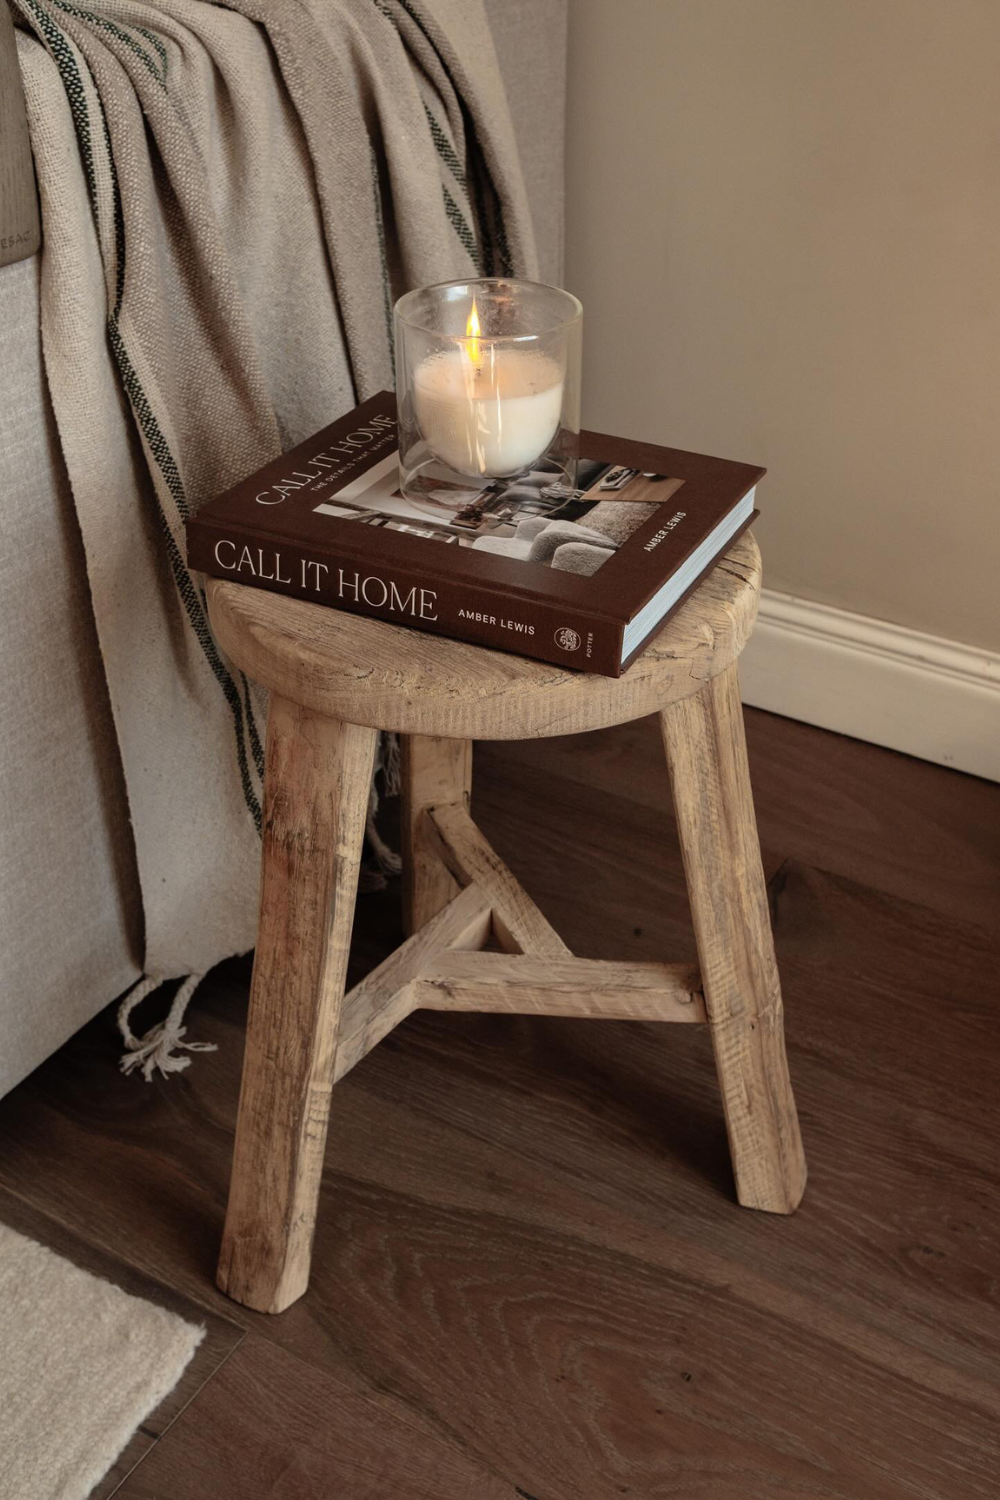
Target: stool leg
317,780
706,750
435,772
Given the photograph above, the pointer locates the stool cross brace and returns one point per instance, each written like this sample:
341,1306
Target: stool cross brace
441,967
461,905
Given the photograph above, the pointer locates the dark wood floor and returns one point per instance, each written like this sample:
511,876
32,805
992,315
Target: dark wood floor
531,1277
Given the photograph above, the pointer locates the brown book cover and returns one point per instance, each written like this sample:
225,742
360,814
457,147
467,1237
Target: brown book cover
580,576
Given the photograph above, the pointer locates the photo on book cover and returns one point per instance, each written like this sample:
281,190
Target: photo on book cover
535,518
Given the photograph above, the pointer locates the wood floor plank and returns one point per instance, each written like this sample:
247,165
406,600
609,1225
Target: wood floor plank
582,855
913,829
918,831
271,1425
486,1170
901,1125
528,1246
663,1374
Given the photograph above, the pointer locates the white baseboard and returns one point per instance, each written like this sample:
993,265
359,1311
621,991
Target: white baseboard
918,693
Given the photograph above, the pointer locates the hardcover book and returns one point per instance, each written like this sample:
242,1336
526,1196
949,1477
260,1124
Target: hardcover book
581,575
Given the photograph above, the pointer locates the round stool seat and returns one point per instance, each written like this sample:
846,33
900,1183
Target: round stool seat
365,671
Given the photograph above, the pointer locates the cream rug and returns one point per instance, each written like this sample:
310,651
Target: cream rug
82,1364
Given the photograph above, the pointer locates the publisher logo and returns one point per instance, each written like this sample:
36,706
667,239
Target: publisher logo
567,639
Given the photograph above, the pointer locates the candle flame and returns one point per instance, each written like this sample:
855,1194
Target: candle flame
472,332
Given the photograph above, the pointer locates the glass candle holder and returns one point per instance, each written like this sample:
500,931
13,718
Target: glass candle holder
487,389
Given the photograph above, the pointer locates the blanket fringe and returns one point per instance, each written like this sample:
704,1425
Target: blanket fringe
385,861
160,1046
392,763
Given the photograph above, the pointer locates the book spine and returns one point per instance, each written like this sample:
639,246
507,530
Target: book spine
483,615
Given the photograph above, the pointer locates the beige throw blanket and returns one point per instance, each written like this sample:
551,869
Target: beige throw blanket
232,196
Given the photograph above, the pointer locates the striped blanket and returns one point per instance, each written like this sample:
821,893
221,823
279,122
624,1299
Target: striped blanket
232,196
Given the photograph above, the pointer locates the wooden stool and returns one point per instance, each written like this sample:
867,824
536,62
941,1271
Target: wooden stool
337,679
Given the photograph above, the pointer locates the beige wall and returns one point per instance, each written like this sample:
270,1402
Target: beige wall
784,224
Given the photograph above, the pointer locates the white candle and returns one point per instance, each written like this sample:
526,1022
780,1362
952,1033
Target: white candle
488,409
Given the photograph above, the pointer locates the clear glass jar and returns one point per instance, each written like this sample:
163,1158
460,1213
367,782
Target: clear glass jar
487,388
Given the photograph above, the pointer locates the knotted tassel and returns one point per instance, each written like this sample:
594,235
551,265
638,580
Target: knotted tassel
160,1046
388,862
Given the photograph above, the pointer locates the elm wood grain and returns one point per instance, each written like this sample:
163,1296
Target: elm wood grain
434,771
222,1334
518,925
272,1425
915,830
869,1362
706,753
20,224
559,987
349,667
439,969
317,777
385,996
